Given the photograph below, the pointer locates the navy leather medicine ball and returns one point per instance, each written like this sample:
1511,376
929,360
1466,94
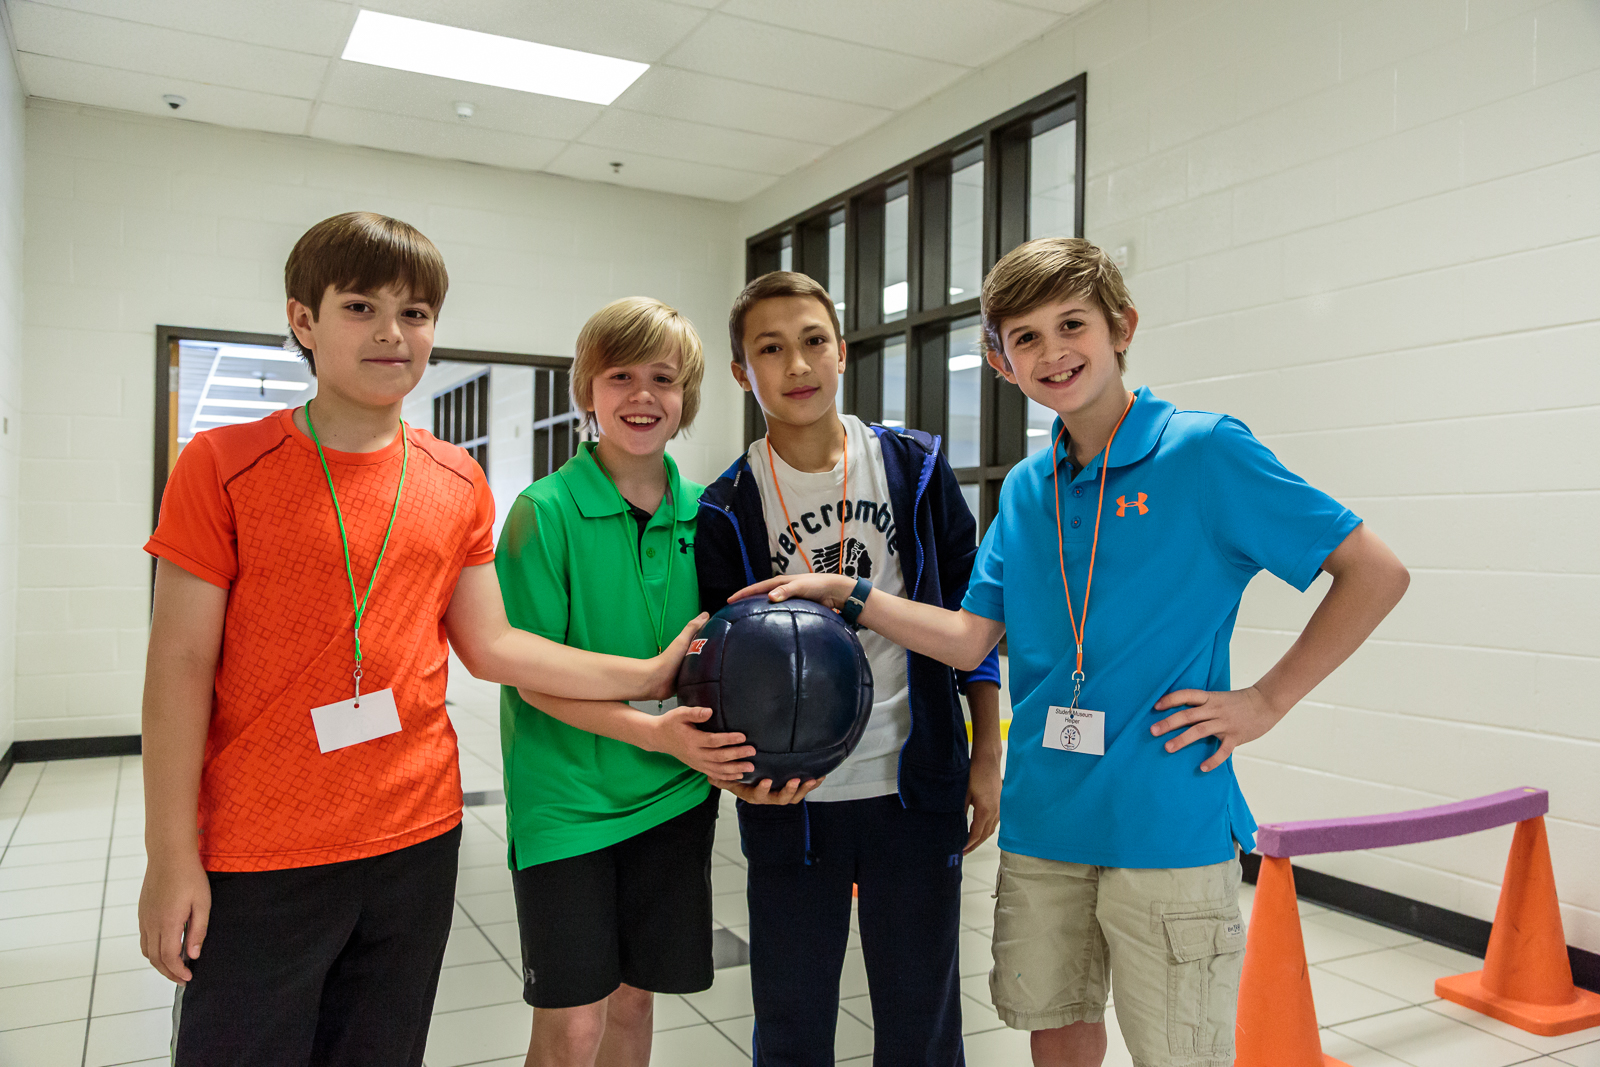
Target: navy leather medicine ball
791,677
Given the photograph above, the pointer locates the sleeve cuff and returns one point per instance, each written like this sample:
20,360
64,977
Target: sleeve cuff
986,602
1310,565
987,671
189,563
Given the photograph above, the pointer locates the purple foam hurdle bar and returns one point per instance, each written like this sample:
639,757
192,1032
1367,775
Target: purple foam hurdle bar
1401,827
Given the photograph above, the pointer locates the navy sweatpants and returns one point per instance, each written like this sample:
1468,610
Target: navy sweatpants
803,860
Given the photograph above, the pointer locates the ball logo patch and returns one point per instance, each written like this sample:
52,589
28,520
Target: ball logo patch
696,645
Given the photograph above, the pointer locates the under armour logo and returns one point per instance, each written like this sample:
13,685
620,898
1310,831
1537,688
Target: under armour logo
1123,505
684,546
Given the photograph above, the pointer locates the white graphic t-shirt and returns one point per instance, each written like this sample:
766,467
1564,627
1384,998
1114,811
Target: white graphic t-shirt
820,513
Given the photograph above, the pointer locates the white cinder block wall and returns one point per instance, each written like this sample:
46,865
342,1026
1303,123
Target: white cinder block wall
11,226
135,221
1372,231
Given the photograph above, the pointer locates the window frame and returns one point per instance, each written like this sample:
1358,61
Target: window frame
1005,141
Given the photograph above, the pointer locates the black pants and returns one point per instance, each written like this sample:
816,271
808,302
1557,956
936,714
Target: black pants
803,860
331,965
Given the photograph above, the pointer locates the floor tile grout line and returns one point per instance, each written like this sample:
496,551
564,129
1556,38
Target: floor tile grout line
100,929
32,792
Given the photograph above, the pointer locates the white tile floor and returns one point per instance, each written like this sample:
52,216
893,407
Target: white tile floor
74,991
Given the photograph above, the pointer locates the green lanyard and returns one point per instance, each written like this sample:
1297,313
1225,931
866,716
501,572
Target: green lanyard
658,624
360,603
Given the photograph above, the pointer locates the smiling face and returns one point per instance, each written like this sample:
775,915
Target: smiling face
1063,354
371,348
638,408
792,360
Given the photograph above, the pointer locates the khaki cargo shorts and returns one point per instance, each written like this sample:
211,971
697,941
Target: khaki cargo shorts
1173,939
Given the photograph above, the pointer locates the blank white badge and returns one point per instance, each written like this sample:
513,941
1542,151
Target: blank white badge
1076,730
353,721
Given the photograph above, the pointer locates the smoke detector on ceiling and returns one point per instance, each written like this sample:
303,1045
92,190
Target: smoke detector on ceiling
174,101
464,110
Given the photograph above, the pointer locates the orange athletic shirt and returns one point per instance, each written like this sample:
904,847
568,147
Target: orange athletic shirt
247,509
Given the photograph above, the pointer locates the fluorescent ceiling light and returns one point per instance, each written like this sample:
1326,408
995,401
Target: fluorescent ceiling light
1034,431
488,59
258,405
894,300
273,355
259,383
965,362
223,418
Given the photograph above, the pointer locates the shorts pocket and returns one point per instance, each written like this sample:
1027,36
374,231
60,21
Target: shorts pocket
1205,950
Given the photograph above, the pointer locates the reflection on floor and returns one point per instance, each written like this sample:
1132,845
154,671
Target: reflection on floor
74,991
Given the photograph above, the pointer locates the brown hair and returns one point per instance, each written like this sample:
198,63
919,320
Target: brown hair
361,251
777,283
631,331
1049,269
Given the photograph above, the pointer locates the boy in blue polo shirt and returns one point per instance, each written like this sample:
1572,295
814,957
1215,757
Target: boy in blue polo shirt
1115,568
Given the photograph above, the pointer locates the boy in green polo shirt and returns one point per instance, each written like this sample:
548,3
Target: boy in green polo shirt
609,811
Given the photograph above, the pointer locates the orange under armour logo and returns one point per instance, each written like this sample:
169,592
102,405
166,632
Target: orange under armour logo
1123,505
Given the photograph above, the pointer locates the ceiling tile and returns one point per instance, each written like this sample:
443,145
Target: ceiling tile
361,85
109,42
82,83
774,55
652,172
400,133
640,30
696,97
317,27
676,139
965,32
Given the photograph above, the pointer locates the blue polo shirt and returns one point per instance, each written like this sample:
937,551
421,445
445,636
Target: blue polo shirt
1194,507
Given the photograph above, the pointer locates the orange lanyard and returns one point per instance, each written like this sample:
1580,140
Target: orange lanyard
1078,627
800,551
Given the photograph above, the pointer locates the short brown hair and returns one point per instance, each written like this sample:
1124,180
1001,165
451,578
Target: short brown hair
1049,269
361,251
777,283
631,331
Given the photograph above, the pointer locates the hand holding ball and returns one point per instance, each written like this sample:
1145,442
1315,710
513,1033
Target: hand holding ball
791,677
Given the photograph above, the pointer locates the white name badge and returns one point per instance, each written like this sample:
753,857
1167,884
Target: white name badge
655,707
350,722
1076,730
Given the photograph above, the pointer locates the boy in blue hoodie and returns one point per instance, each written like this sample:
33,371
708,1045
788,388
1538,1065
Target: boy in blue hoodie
825,493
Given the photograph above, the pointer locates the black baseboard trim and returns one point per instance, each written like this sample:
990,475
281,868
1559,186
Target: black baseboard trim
7,761
1439,925
75,748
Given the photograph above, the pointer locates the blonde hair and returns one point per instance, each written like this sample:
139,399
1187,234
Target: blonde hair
1048,269
362,251
631,331
775,284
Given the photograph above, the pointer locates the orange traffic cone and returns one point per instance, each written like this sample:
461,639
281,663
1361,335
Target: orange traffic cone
1526,979
1277,1022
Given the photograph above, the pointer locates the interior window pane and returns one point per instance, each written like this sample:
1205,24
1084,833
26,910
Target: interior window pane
786,253
966,389
969,493
1052,180
1040,421
966,227
896,247
894,382
836,259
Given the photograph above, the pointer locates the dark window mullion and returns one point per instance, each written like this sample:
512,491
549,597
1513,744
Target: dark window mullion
931,259
930,381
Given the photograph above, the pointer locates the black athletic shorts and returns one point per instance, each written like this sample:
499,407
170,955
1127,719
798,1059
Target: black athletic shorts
637,912
334,965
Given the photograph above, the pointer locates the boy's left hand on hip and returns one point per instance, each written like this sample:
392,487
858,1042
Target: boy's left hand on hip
1232,717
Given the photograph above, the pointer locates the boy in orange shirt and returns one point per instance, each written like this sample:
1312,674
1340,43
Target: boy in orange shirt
302,791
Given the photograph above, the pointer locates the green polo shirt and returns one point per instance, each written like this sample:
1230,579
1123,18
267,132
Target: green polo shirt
570,561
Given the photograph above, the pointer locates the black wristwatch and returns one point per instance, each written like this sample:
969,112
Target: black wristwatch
856,601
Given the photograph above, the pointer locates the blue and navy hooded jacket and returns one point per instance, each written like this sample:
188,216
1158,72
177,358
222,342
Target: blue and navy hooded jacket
933,528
